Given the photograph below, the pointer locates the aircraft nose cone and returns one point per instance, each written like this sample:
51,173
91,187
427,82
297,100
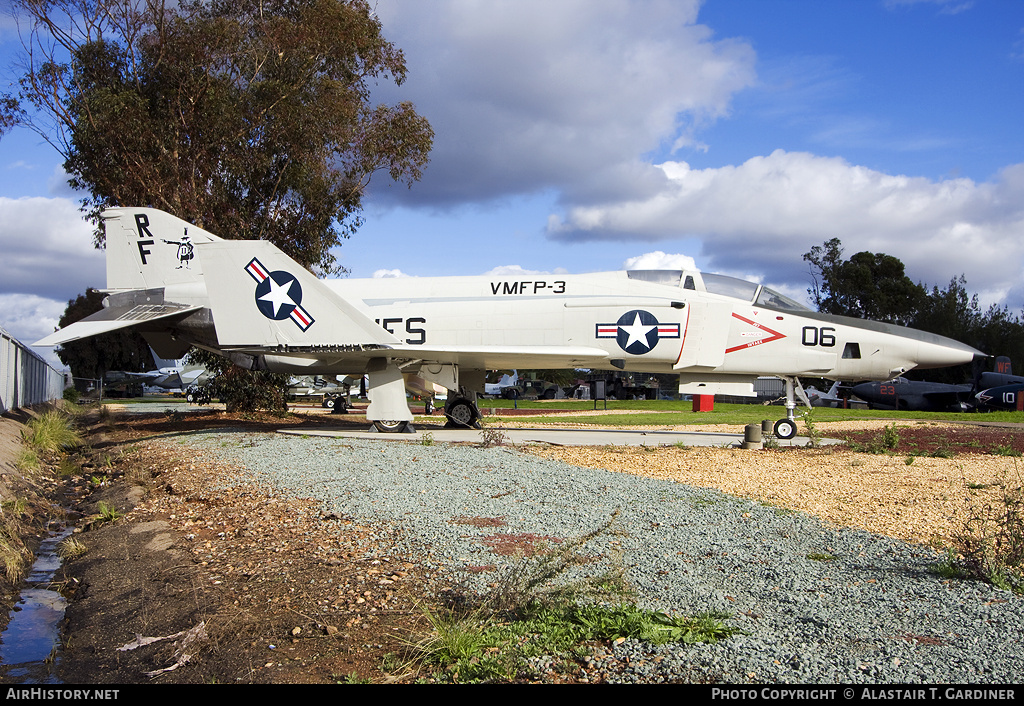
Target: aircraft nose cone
942,352
862,389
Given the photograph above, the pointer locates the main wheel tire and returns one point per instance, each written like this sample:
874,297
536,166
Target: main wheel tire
329,402
390,426
785,429
461,413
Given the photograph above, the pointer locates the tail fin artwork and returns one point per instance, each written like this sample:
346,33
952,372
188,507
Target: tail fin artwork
258,297
147,248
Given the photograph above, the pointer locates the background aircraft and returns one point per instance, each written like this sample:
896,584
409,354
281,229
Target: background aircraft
916,395
1002,390
1002,397
495,388
922,396
831,398
250,302
169,375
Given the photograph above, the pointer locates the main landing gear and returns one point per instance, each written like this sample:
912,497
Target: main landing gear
462,411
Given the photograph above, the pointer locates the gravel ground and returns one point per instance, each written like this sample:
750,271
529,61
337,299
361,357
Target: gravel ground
817,603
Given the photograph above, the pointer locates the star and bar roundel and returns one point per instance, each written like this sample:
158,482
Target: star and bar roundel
637,332
278,295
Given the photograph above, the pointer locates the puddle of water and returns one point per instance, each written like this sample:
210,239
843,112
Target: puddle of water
33,632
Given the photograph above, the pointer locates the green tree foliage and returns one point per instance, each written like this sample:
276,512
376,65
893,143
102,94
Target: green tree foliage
950,312
867,286
250,118
239,389
92,358
845,287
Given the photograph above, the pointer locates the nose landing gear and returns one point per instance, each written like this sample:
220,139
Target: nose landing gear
786,428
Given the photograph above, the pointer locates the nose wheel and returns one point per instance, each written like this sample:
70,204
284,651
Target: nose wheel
785,429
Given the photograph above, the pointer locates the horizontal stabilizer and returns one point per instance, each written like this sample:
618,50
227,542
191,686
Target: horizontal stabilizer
114,318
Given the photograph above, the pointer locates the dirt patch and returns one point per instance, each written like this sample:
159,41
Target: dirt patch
237,584
206,577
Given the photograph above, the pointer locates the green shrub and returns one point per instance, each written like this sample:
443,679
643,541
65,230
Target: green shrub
52,432
991,541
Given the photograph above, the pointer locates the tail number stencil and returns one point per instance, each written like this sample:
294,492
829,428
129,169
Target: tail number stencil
412,327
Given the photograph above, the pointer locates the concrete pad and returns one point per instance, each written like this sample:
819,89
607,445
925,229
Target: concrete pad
561,437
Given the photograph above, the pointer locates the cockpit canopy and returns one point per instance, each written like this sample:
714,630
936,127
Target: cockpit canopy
756,294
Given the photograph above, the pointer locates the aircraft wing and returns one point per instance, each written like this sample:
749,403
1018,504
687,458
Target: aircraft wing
479,357
114,318
949,398
497,357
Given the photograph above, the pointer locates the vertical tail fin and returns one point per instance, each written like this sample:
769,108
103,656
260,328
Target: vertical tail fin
148,249
1003,365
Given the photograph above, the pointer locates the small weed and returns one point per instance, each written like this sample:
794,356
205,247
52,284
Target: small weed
909,460
15,507
28,461
533,610
821,556
890,438
353,678
1004,450
949,567
12,557
886,441
813,433
427,439
991,540
492,436
137,475
108,513
70,548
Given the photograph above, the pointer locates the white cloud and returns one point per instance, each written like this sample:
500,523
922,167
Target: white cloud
946,7
517,270
658,260
765,213
47,249
527,95
389,274
29,318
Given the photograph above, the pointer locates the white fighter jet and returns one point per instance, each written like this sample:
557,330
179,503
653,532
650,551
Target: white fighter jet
250,302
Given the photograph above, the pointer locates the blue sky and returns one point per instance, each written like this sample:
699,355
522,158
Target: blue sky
581,135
